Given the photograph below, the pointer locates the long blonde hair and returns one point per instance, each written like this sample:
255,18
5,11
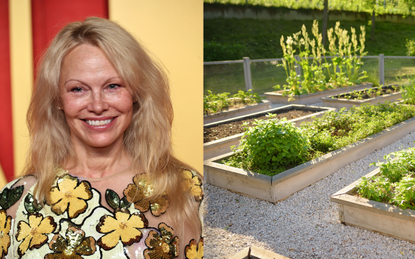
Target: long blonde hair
147,138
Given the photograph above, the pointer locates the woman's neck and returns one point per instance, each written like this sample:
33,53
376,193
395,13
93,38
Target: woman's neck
98,162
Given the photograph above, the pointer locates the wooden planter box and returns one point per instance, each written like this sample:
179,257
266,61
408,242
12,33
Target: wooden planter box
278,187
265,105
257,253
276,97
347,103
223,146
383,218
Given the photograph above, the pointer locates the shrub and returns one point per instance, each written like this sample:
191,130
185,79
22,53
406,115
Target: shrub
269,146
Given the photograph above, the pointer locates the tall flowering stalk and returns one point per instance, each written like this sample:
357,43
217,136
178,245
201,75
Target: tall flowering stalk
317,73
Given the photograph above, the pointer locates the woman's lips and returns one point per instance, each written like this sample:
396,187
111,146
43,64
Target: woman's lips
101,123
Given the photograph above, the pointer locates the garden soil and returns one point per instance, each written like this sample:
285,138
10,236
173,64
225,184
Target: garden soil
232,128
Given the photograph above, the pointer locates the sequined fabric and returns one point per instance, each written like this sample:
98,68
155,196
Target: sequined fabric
72,223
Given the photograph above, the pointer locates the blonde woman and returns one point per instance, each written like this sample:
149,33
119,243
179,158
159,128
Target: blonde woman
101,180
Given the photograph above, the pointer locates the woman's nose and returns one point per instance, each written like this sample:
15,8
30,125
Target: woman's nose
98,104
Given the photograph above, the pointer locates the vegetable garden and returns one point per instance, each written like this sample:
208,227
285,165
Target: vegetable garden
274,158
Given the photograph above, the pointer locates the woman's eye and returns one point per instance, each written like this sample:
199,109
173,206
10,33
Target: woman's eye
76,89
113,86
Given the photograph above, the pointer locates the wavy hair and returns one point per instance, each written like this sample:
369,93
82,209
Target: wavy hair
148,137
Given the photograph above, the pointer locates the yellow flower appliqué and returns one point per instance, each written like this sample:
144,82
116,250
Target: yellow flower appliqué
70,195
5,224
138,194
34,234
191,183
163,244
193,250
124,227
72,246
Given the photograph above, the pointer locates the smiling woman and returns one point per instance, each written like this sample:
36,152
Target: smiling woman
98,107
101,179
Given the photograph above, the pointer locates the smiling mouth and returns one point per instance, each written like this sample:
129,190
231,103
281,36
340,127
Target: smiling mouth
98,122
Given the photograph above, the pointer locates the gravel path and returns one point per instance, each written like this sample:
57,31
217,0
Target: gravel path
305,225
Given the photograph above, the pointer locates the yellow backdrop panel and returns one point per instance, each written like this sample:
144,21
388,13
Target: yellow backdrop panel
173,32
21,76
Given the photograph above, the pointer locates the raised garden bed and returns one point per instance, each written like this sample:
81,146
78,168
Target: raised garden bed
257,253
374,95
386,219
222,146
277,97
280,186
236,112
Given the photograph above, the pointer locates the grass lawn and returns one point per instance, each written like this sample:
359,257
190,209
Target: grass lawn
262,40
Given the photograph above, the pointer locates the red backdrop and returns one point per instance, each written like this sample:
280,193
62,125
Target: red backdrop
48,17
6,128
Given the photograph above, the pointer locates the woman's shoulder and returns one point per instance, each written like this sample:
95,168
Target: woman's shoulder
12,193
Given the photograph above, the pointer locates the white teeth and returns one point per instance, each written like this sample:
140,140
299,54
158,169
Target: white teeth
98,123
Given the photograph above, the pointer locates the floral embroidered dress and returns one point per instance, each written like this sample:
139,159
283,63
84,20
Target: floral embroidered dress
74,224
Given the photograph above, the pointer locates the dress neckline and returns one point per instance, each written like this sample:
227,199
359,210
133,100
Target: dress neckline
101,178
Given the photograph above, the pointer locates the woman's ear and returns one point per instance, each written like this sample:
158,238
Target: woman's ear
58,105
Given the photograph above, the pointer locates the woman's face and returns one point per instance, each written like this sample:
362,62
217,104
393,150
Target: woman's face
97,105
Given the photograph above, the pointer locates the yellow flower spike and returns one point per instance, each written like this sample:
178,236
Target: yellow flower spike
34,234
124,226
70,195
5,224
193,250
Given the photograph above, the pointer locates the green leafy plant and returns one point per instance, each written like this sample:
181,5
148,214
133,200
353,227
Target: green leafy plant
269,146
214,103
396,182
408,92
410,47
248,97
368,93
272,146
337,129
377,189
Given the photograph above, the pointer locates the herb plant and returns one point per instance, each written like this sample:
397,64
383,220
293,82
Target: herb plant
269,146
273,146
408,93
213,103
248,97
396,182
368,93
